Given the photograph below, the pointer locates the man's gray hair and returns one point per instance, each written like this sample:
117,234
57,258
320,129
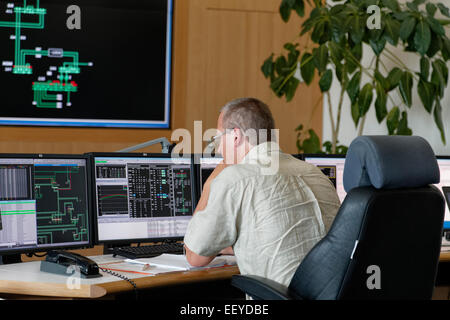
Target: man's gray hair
251,116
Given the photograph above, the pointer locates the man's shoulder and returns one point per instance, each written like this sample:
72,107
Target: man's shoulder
235,173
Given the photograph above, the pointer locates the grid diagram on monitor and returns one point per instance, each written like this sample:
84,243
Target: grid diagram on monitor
43,203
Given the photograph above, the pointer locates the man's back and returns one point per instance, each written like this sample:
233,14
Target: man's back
270,220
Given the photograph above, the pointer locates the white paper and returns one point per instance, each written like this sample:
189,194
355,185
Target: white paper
179,262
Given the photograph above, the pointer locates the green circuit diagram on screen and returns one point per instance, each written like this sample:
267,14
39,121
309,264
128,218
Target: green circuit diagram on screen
61,213
48,93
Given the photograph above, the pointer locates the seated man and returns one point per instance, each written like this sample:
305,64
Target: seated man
270,220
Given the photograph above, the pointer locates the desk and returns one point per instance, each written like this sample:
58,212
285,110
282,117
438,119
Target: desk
25,280
445,257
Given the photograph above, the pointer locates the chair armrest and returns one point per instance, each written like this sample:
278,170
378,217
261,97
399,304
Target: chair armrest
260,288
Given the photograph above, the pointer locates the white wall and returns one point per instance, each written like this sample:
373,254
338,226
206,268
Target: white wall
421,122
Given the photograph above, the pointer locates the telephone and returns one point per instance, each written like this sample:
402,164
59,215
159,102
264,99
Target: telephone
62,262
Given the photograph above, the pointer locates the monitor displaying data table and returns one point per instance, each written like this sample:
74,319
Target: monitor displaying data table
142,197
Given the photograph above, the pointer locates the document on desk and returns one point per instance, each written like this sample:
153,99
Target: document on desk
177,262
162,264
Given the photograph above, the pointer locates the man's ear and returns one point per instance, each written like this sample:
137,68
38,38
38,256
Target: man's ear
237,136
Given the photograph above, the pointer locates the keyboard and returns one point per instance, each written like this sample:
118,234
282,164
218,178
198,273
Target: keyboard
148,251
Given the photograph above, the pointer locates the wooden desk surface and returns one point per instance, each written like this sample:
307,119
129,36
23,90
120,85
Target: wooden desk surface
171,278
26,279
445,256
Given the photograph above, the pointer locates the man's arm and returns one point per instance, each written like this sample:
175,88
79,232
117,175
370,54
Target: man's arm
203,201
194,259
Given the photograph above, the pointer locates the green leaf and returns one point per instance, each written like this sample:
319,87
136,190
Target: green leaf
391,4
357,28
431,8
393,120
380,103
381,80
435,26
318,31
326,80
291,88
422,37
285,10
407,27
424,68
281,65
444,10
418,2
276,86
426,94
394,77
335,52
307,68
355,113
412,6
267,68
438,120
435,45
403,129
311,145
321,57
406,83
353,86
391,30
299,7
439,64
293,54
365,99
446,48
439,77
377,45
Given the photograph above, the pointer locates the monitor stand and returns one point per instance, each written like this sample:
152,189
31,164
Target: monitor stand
10,259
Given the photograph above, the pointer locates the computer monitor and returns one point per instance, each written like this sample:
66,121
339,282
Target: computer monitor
44,203
333,167
444,168
142,197
59,58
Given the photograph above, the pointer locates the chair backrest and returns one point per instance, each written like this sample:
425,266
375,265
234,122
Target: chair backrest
385,240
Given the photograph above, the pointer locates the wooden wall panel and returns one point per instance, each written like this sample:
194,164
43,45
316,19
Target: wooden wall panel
219,47
228,42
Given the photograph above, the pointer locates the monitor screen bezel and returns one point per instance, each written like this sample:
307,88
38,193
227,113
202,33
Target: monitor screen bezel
90,243
446,226
94,155
197,163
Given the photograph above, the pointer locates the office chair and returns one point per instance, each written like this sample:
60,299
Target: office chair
385,240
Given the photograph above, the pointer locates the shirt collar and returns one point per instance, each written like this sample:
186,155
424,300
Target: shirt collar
263,152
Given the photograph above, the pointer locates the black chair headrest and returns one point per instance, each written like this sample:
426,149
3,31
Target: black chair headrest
390,162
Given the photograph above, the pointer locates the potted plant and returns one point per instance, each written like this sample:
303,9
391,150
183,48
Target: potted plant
340,35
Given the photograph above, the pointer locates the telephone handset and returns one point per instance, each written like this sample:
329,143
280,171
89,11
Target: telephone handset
62,262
